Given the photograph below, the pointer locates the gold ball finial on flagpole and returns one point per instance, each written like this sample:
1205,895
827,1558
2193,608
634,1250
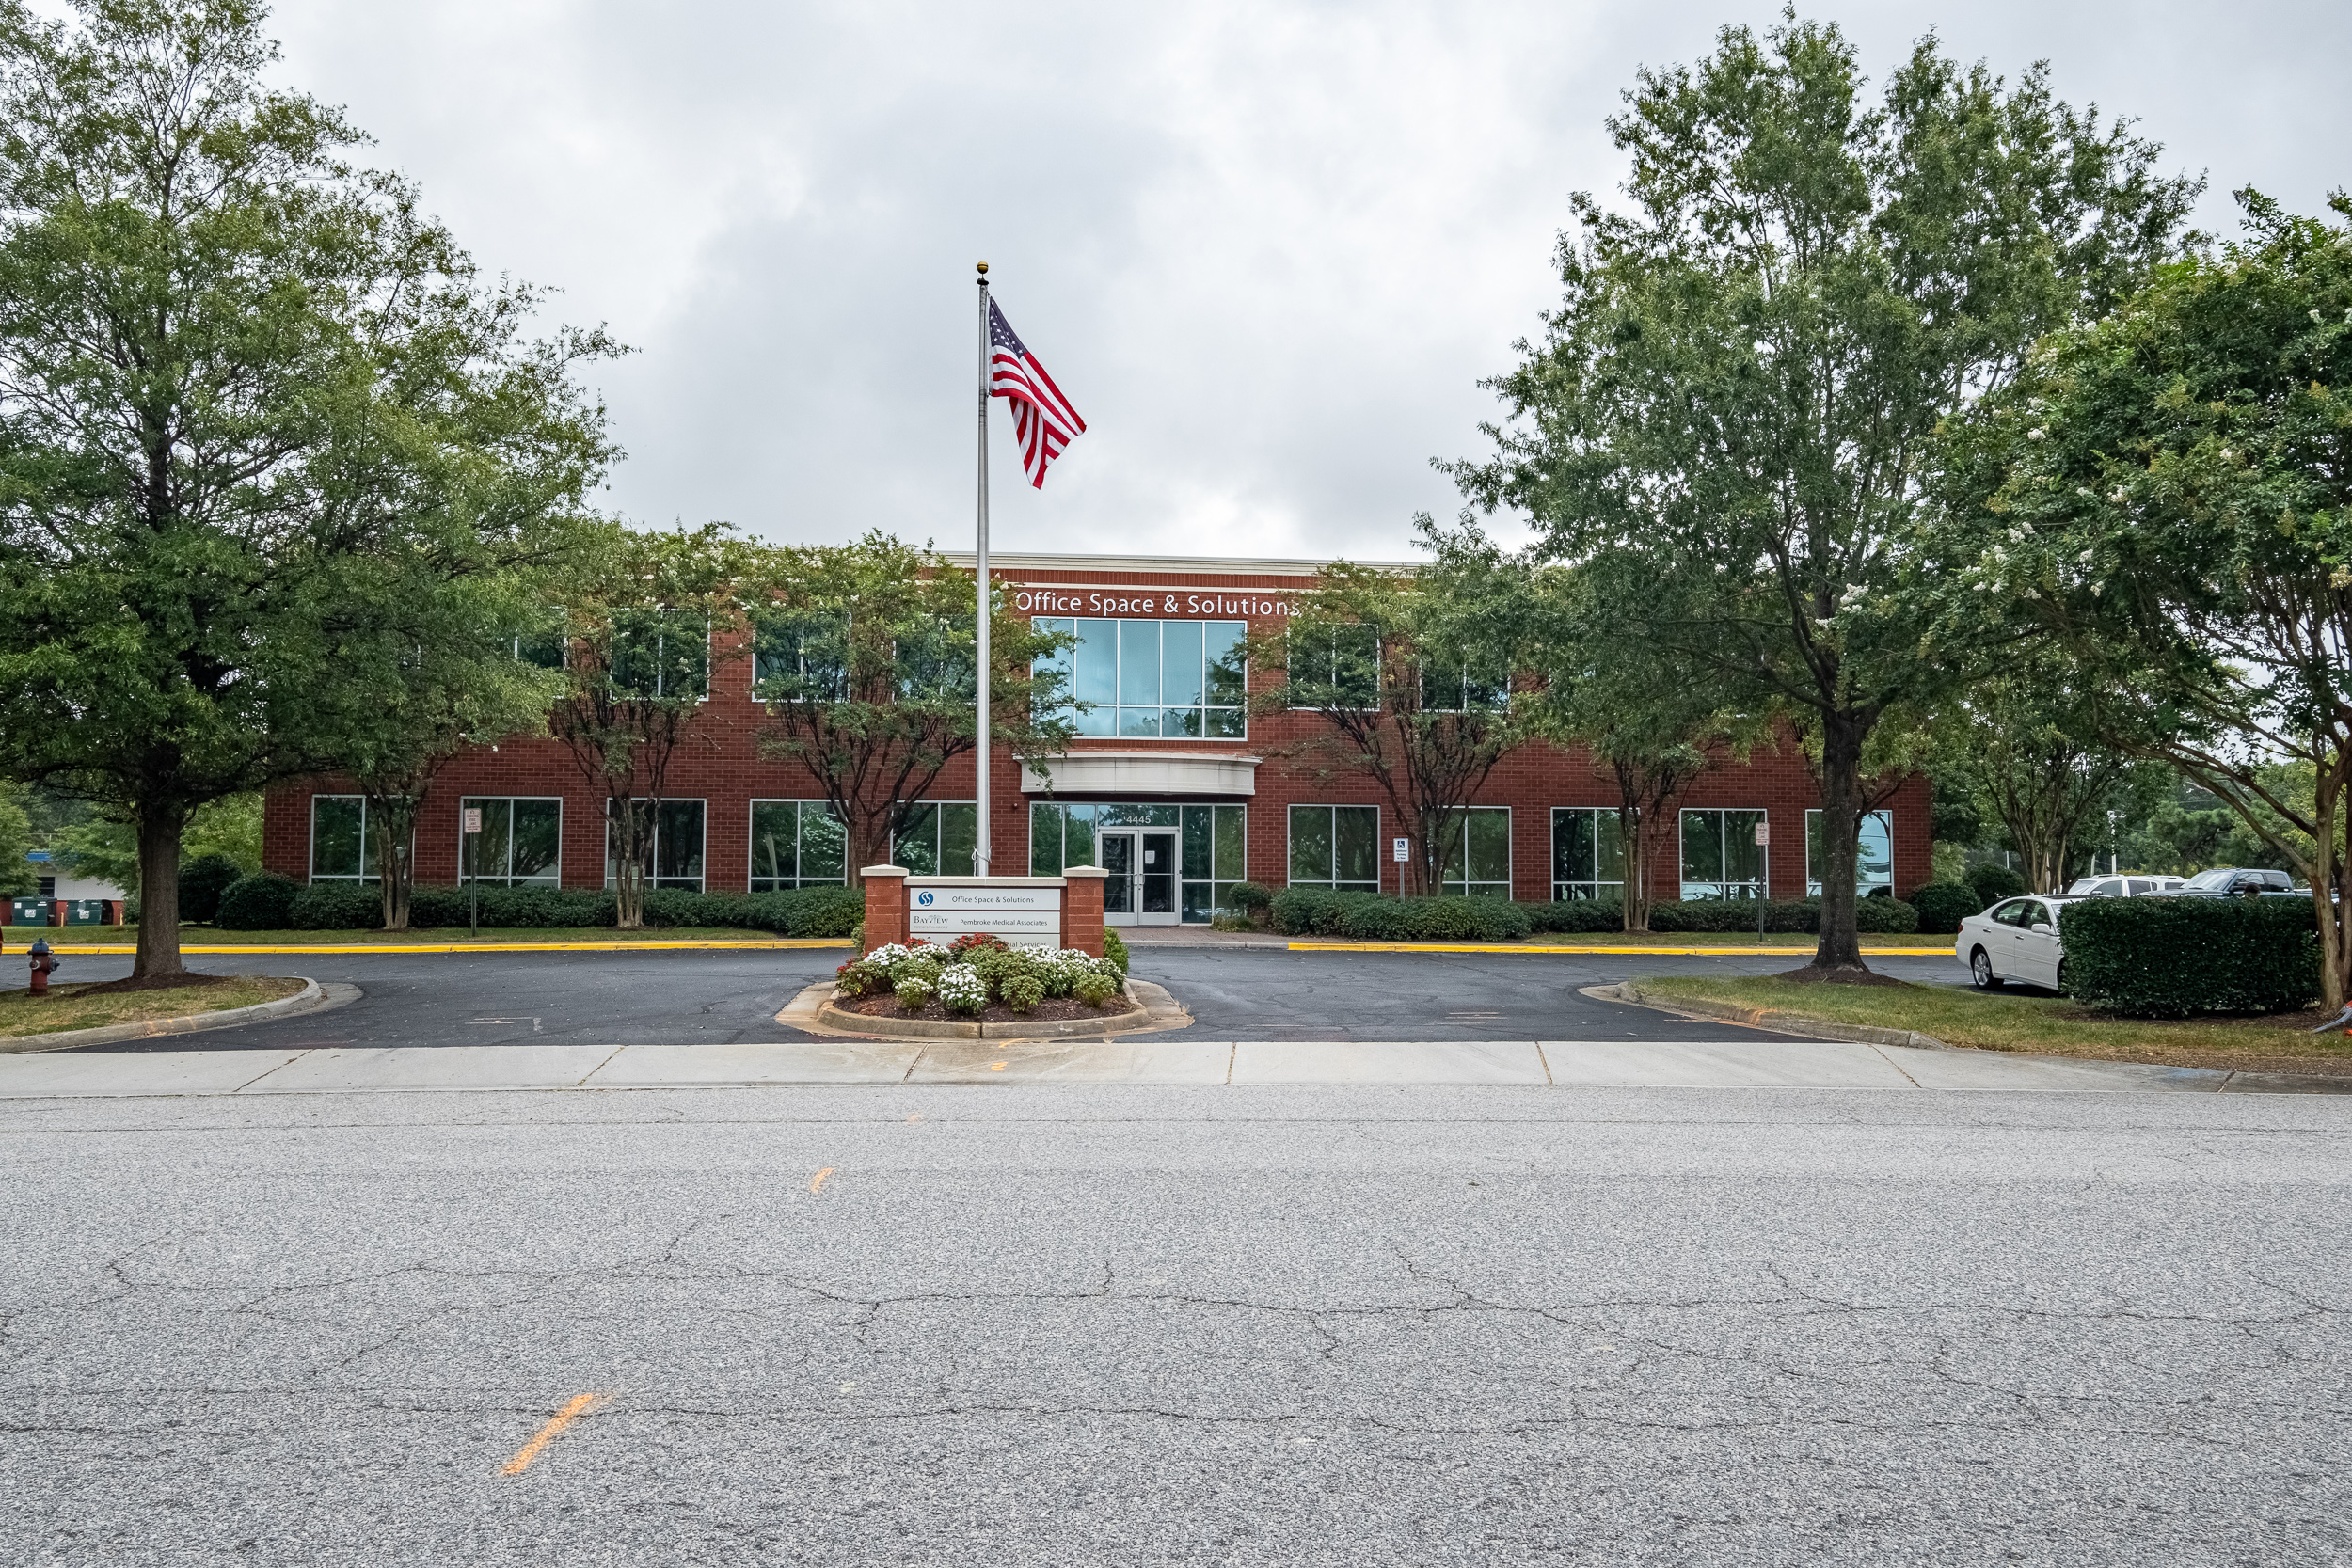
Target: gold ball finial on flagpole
983,269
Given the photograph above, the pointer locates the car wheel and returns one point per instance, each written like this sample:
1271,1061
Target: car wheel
1981,970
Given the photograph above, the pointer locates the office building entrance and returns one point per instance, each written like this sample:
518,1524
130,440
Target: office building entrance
1140,889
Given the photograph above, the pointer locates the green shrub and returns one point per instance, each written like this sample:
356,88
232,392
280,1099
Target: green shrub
1095,990
1377,917
336,907
1891,916
914,993
202,880
1230,920
1784,916
2169,957
1252,898
1022,992
262,901
1942,905
1993,883
1115,949
1577,914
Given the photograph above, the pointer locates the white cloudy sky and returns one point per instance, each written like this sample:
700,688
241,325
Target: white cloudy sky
1268,249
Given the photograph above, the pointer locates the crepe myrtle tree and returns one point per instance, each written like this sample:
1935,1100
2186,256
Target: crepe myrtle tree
2165,498
257,413
648,618
1752,351
865,658
1406,680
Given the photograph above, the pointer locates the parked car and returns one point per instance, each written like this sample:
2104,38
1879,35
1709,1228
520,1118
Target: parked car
2226,881
2017,939
2135,884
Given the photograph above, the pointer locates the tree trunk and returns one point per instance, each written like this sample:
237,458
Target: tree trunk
1636,870
629,829
2335,952
159,829
869,845
1838,957
395,858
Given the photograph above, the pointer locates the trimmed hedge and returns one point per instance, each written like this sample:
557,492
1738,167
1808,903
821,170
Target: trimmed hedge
1942,905
202,880
810,911
2169,957
1377,917
1577,914
261,902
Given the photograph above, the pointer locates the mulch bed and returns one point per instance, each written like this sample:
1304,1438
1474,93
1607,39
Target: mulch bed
1054,1009
155,982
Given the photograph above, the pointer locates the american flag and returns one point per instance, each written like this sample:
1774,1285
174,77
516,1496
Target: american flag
1041,416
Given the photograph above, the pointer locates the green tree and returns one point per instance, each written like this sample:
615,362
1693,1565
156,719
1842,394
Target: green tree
2167,498
248,395
17,876
647,615
1739,389
1408,680
864,656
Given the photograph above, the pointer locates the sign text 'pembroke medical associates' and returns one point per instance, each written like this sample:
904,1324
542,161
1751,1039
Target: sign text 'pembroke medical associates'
1139,602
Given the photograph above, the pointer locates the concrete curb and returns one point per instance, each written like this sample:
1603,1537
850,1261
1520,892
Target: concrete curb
311,997
1775,1018
813,1011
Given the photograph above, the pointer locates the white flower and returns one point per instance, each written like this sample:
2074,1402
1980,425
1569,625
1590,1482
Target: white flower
2095,588
2119,496
2315,315
2037,434
2087,555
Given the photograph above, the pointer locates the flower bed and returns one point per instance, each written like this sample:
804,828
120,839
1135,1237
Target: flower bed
979,978
1052,1010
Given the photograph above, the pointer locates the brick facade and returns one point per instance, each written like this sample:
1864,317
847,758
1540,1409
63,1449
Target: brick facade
721,765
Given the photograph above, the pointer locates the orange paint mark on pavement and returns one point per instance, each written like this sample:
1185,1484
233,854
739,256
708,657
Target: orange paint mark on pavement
995,1066
580,1405
818,1181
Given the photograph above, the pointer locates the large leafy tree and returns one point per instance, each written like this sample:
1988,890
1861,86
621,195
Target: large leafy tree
865,658
2166,499
1739,389
256,414
1406,680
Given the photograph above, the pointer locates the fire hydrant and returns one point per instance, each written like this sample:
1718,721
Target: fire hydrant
44,962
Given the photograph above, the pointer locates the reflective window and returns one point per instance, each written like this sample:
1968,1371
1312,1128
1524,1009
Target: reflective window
1477,860
543,642
1212,858
672,855
520,844
1338,667
1874,859
1154,680
342,840
800,657
661,653
797,844
1336,847
1721,857
939,839
1587,853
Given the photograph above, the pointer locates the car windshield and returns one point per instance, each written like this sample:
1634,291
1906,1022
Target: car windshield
2219,876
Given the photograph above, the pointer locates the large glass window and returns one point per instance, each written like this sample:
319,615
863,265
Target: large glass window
661,653
1336,847
1463,687
342,840
1155,680
1721,857
1212,858
1874,866
674,851
797,844
939,840
800,656
1587,853
1477,860
543,642
521,845
1337,668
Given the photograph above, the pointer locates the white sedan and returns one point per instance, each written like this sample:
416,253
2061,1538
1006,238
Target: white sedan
2017,939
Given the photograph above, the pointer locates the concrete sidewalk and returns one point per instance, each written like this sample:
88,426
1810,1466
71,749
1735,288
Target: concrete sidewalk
1795,1064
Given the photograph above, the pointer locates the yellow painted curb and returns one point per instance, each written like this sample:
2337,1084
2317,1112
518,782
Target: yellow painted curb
778,944
1663,951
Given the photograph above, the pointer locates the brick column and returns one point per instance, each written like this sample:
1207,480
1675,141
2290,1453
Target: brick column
1082,909
885,904
57,911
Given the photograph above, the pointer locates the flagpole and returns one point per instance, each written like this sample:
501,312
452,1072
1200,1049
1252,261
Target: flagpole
982,617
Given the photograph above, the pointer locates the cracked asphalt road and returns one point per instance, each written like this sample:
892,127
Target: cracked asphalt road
732,997
1153,1326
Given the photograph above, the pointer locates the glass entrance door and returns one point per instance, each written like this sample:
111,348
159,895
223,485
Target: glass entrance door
1140,889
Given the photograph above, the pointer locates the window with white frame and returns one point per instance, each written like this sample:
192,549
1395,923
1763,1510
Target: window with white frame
543,642
1874,865
1463,687
940,839
661,653
342,839
1337,667
1587,853
800,656
797,844
672,853
1336,847
1721,857
520,844
1477,859
1167,680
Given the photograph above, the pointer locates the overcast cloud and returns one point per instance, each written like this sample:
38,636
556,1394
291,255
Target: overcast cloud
1269,251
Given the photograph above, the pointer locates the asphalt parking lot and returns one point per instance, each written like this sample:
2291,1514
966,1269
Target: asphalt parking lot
729,998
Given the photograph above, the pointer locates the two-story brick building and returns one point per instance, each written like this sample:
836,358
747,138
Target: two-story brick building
1170,787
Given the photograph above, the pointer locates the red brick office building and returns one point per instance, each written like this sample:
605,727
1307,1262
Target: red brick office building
1171,788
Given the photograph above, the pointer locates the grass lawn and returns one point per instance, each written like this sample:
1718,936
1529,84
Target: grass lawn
2051,1025
67,1007
21,937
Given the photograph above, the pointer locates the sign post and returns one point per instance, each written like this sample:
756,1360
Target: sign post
470,823
1764,876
